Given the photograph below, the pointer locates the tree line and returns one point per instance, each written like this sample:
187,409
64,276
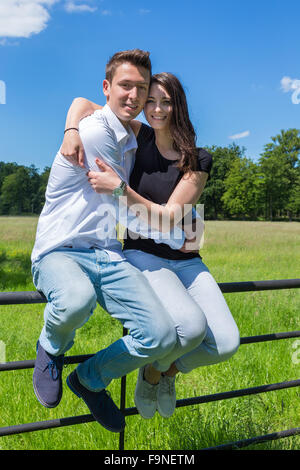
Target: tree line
238,188
268,189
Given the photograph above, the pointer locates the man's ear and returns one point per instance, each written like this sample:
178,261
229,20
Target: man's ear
106,88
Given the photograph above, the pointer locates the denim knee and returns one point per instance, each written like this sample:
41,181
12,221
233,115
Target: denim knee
74,307
159,342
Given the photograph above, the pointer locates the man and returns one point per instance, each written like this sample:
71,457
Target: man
77,259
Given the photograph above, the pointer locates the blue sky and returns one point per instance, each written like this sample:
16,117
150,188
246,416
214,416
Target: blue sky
238,61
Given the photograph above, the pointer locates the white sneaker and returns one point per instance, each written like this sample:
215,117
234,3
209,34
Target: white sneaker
145,396
166,396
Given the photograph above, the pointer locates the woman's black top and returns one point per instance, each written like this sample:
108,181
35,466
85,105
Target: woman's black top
154,177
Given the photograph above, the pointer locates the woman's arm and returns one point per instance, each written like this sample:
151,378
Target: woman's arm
187,192
162,218
72,148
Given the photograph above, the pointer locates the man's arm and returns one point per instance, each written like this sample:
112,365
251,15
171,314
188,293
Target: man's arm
72,148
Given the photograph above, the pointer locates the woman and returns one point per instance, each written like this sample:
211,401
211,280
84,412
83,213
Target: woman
169,172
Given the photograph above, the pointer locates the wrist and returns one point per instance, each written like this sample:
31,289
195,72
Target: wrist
71,129
120,189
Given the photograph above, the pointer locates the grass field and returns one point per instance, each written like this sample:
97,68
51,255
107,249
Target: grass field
234,251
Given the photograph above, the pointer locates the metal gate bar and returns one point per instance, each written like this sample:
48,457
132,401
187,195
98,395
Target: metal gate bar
29,364
256,440
35,297
60,422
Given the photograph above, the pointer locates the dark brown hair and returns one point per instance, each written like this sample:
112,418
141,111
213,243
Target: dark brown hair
135,57
182,130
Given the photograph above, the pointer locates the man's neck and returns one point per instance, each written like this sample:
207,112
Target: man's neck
125,124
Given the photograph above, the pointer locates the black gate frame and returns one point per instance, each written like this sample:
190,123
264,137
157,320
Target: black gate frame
32,297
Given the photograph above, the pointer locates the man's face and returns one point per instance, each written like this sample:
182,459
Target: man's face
128,91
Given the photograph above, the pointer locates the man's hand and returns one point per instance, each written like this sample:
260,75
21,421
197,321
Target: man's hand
72,148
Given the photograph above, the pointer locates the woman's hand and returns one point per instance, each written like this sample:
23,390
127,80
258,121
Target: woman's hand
72,148
105,181
194,237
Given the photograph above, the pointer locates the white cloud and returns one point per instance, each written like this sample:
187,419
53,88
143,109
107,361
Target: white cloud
144,11
106,12
241,135
72,7
291,84
22,18
6,42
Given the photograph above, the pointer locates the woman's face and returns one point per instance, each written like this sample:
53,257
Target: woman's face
158,108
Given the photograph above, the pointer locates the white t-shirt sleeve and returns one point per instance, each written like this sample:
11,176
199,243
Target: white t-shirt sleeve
99,141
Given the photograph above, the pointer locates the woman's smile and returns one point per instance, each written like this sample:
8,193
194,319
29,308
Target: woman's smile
158,108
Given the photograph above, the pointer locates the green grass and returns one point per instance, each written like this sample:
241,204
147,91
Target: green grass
234,251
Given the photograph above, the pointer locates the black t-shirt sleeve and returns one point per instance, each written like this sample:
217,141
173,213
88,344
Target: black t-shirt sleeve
204,161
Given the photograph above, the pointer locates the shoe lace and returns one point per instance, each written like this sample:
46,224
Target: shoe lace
55,367
167,384
150,392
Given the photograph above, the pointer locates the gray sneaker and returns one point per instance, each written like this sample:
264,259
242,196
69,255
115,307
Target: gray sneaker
166,396
145,396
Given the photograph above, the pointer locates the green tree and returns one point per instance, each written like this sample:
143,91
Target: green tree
242,196
279,164
17,191
6,169
22,188
293,205
43,180
223,158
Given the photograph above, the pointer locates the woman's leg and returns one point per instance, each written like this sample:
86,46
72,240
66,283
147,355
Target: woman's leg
190,326
222,337
189,321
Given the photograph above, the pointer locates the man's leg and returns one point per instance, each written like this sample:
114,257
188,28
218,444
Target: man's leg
126,294
71,299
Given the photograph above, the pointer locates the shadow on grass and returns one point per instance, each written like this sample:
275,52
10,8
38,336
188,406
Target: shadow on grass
15,270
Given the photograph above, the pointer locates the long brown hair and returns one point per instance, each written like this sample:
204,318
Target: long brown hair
182,130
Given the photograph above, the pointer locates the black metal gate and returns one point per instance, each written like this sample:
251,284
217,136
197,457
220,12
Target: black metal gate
13,298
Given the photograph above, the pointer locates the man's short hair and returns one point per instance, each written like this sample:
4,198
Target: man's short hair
135,57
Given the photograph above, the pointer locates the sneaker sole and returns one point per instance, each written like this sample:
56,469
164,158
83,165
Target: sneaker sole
71,387
164,415
41,401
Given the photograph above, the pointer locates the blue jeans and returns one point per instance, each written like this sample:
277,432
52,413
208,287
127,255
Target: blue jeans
73,281
206,331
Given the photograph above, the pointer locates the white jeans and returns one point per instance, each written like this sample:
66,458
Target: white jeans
206,331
